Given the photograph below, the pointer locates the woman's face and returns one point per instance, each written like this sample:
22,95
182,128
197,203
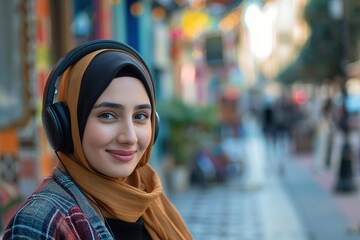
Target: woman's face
118,129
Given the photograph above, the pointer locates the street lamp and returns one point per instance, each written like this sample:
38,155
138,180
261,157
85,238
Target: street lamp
345,181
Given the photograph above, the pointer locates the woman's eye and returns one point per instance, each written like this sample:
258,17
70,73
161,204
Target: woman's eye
141,116
107,116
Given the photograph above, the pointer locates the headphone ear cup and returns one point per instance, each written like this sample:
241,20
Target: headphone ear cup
57,127
157,126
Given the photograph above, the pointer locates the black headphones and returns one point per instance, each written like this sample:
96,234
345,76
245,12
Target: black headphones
55,116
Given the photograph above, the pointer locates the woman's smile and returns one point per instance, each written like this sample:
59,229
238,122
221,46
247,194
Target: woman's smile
122,155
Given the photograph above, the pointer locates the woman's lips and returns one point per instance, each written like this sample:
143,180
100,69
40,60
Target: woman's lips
123,156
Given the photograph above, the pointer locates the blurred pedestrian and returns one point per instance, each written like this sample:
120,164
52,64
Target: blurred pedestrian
283,121
277,120
102,132
325,130
268,122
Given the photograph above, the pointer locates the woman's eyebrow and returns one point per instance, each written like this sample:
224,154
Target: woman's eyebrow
109,104
144,106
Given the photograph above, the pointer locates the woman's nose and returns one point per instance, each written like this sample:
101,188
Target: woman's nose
127,133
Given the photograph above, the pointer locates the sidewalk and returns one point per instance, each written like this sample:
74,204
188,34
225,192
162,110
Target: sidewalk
280,197
230,212
349,203
327,213
250,207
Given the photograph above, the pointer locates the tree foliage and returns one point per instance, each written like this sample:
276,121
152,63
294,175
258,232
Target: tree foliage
331,42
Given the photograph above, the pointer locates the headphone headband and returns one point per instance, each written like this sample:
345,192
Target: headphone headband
75,55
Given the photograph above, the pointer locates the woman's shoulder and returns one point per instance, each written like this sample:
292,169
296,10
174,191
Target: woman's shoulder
52,210
47,201
55,192
43,219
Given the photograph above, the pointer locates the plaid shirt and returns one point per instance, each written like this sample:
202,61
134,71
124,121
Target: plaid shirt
56,210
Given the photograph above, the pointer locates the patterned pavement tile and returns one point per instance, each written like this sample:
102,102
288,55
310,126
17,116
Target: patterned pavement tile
220,213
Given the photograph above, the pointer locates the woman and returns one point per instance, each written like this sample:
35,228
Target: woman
103,186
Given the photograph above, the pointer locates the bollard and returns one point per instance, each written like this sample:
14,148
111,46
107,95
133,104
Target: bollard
345,181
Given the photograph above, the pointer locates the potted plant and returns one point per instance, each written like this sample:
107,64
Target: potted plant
184,126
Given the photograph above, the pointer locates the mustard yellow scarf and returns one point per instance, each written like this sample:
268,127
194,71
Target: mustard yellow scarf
138,196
